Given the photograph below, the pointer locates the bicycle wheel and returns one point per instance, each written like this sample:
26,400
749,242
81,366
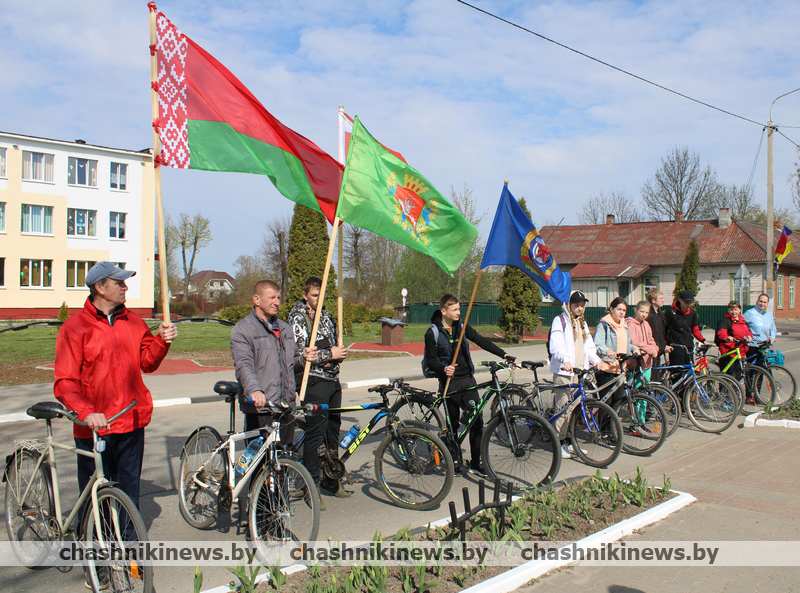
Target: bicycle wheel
202,476
116,541
284,504
28,517
711,404
785,385
418,411
760,386
735,385
520,448
596,433
644,424
414,469
516,396
669,402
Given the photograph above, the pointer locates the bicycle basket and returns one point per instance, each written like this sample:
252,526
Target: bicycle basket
774,357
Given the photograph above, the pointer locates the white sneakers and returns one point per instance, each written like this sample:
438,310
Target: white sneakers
567,452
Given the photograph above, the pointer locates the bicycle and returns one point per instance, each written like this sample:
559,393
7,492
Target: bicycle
111,527
593,428
403,491
710,401
283,501
784,382
518,446
644,422
413,466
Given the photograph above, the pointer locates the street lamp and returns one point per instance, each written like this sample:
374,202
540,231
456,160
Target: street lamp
771,127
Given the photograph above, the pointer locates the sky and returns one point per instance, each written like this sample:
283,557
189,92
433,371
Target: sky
467,99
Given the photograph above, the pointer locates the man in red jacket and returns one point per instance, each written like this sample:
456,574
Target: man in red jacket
100,355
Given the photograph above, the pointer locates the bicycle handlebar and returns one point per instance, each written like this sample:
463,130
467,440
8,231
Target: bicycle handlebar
73,416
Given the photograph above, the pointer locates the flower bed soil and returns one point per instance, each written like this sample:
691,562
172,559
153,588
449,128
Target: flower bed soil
567,514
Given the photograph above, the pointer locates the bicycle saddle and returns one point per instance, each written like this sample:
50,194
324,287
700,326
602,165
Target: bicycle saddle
47,410
226,388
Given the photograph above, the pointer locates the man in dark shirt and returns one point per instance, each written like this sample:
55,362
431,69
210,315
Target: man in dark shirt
680,325
439,356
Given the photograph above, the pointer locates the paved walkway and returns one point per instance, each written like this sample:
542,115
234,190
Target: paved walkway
748,489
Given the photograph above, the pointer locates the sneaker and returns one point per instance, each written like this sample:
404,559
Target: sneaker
103,575
478,470
566,451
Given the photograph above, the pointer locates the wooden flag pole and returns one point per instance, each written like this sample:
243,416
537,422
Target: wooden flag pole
162,248
463,327
313,338
339,300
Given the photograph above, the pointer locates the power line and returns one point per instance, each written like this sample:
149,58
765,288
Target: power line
755,161
787,137
599,61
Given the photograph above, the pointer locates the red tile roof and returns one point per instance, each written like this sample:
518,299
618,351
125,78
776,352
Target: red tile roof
659,243
608,270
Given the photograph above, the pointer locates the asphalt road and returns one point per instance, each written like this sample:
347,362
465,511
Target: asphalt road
357,518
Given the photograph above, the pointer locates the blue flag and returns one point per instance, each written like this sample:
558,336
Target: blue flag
514,241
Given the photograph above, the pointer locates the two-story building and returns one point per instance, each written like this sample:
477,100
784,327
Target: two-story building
63,207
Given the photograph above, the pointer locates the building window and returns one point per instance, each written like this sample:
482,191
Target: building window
37,219
37,166
602,297
649,283
116,225
76,273
779,292
35,273
546,298
82,172
2,217
81,223
2,272
2,162
119,176
740,290
791,292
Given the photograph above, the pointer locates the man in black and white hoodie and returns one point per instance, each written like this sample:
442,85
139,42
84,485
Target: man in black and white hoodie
323,379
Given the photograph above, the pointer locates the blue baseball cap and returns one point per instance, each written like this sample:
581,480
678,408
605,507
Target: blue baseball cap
105,269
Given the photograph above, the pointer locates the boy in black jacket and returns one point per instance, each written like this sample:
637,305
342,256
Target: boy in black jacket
439,356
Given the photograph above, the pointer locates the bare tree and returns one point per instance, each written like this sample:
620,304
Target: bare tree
740,199
794,182
618,203
381,258
170,245
354,241
274,251
193,234
466,205
681,185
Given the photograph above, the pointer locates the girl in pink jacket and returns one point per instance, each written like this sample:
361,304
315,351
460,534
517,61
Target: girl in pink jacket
642,335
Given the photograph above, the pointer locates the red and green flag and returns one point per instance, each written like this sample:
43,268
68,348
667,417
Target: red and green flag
383,194
208,120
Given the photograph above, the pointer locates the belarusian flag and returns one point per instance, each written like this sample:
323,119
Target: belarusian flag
382,194
209,120
346,130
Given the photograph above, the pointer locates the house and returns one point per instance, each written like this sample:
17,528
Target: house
63,207
610,260
211,285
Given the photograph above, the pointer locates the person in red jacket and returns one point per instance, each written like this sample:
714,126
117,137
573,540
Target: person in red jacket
730,328
101,353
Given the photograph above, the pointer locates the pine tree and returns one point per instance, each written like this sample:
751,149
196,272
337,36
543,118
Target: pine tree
519,300
308,249
687,279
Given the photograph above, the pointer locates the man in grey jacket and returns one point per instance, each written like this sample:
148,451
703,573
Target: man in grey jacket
264,356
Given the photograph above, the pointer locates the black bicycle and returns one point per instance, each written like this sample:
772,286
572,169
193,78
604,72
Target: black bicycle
519,447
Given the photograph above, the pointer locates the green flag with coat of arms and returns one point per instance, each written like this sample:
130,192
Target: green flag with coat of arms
382,194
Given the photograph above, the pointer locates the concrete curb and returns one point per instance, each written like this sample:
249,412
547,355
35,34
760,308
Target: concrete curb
516,577
755,420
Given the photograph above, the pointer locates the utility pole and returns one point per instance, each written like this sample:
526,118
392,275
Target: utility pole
771,128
